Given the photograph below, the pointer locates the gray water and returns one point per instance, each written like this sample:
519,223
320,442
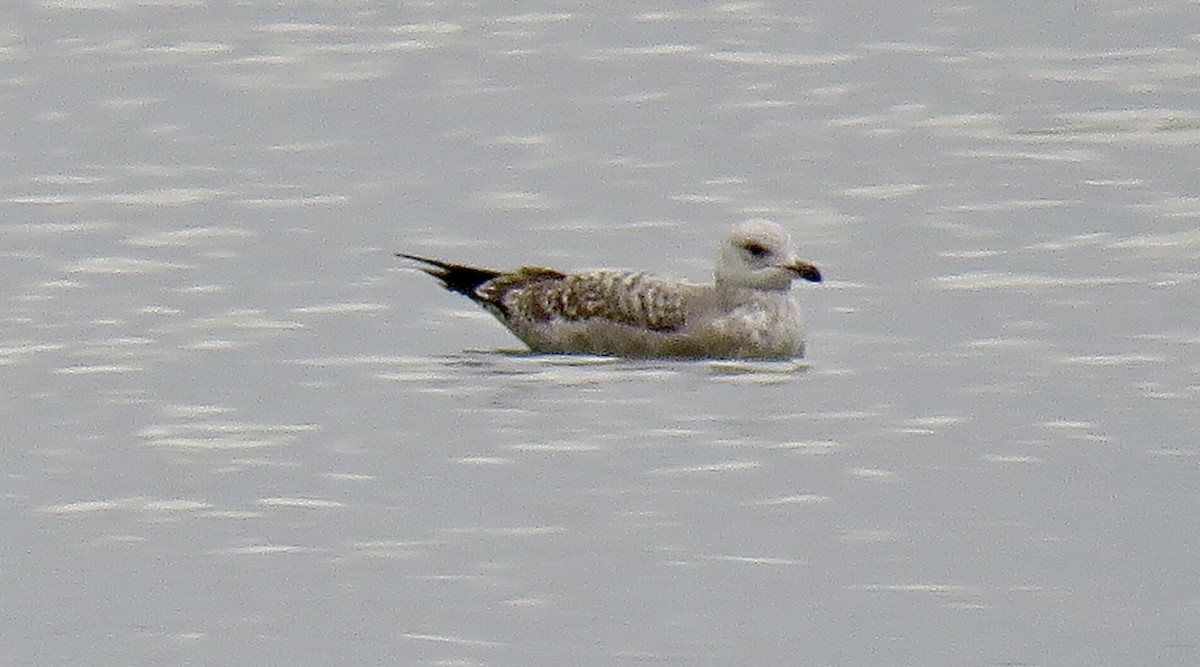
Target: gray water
239,431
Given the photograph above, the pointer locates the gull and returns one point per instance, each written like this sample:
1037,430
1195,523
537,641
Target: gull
747,313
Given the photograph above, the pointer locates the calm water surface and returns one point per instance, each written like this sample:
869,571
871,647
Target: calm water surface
238,431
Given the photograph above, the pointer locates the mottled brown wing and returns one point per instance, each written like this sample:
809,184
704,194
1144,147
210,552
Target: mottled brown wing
634,299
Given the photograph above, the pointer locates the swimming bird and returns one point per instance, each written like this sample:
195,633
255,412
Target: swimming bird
747,313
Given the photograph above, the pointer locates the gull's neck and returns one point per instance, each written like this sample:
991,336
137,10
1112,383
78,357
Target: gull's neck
726,286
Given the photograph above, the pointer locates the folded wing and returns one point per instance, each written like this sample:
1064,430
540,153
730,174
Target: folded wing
632,299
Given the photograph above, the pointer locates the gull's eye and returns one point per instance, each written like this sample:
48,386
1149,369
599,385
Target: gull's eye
758,251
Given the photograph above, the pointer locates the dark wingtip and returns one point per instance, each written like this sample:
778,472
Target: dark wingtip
424,260
458,278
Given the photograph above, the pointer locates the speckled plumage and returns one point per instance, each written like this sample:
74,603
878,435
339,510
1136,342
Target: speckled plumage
747,314
624,297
